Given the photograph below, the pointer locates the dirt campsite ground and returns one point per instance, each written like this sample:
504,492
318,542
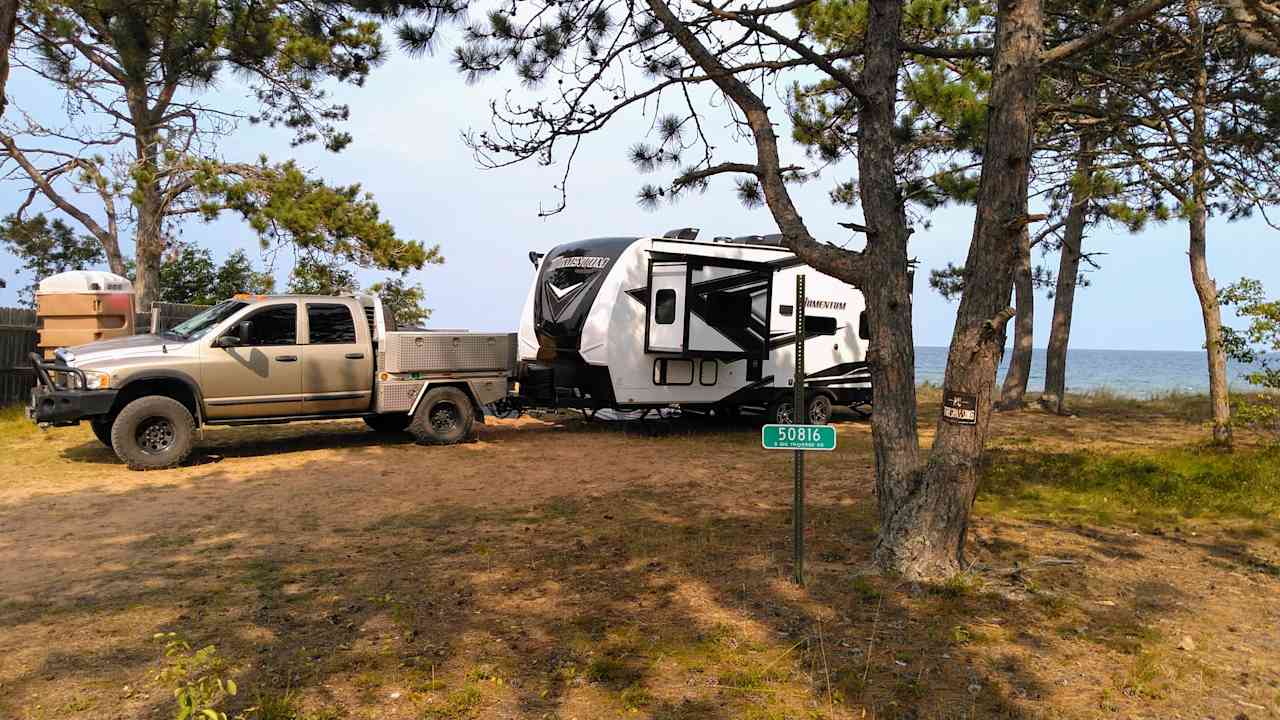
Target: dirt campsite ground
559,569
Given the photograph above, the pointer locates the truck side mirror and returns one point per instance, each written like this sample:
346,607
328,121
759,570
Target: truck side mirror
227,341
244,331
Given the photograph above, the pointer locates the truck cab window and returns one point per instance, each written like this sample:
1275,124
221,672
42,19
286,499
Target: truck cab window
330,324
664,311
276,325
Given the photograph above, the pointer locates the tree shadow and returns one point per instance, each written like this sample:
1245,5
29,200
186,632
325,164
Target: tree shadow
657,594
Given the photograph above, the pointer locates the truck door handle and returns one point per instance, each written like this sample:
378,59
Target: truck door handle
286,358
354,356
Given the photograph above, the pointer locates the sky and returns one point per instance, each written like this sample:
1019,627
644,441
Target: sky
408,152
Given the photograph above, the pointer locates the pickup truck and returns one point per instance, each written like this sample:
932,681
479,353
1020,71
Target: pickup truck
272,359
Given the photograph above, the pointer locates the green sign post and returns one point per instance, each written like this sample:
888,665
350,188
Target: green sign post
798,436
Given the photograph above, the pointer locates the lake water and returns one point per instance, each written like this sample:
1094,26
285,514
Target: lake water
1136,373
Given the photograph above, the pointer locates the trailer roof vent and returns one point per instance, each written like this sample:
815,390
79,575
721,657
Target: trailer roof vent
688,233
775,239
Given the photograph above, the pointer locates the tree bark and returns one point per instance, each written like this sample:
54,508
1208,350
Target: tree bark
923,536
148,199
886,286
1015,380
148,249
8,28
1055,372
1206,289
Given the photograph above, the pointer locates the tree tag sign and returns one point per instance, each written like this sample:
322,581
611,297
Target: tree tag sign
959,408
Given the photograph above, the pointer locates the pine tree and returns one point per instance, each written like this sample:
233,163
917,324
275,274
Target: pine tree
137,152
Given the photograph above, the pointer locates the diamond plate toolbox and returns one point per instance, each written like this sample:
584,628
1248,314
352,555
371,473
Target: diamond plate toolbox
450,352
397,395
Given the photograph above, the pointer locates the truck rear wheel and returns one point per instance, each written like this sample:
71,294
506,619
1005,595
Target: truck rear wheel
444,417
388,422
102,429
153,432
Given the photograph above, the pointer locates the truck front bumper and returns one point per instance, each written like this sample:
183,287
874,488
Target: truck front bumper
66,402
68,407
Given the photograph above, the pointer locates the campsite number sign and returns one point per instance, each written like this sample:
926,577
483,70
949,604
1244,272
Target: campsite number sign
798,437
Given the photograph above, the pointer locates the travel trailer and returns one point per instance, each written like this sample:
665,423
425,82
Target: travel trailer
657,322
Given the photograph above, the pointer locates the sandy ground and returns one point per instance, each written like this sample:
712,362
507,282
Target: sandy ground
558,569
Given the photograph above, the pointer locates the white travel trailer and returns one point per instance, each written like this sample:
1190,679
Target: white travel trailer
654,322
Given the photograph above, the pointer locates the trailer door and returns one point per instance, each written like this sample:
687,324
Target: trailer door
668,282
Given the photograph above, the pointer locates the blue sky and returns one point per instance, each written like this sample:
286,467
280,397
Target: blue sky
408,152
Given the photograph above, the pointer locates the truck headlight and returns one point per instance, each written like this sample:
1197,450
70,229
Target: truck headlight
95,380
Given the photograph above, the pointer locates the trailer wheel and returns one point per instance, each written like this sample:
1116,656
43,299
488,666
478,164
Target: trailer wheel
102,429
779,412
153,432
819,410
388,422
444,417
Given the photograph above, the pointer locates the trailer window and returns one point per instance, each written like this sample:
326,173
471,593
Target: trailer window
820,325
330,324
729,310
664,310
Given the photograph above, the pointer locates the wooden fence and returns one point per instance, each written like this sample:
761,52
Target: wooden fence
19,335
17,338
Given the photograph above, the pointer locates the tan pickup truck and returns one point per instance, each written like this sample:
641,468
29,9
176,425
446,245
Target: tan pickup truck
272,359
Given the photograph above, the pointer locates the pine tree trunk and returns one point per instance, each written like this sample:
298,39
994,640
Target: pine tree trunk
8,25
1015,381
1206,289
891,349
1055,372
923,536
149,247
148,204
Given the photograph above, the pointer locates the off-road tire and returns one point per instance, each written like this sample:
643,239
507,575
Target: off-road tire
102,429
388,422
444,417
153,433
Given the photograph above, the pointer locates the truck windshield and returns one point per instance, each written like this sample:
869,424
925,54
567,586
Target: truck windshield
198,326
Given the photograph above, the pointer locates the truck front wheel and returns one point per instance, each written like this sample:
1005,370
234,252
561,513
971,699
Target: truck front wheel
444,417
153,432
102,429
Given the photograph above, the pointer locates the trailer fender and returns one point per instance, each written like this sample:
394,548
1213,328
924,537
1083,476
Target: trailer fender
467,386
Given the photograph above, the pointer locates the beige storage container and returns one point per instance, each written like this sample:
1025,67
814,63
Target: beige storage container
74,308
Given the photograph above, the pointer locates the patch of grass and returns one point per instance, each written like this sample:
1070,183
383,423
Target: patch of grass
1192,407
464,702
635,697
1142,679
163,541
1127,635
864,589
14,423
1149,487
283,706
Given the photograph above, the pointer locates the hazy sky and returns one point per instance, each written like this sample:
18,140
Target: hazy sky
408,152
